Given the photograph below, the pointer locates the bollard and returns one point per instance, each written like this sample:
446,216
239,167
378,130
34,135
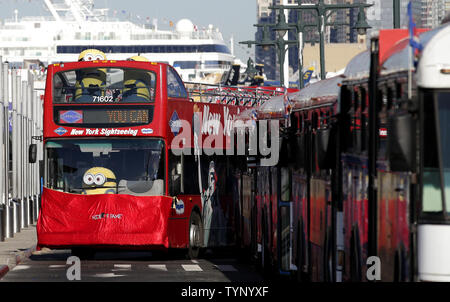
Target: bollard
2,228
36,208
31,210
27,212
27,209
9,222
22,214
36,197
17,216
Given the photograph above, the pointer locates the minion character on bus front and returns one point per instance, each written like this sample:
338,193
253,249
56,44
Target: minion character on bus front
99,180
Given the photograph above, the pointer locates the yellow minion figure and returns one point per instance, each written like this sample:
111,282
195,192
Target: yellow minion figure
136,83
91,55
92,81
138,59
99,180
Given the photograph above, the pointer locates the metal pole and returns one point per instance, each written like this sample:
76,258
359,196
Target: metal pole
23,164
3,200
322,47
286,49
280,47
373,147
6,172
396,12
300,58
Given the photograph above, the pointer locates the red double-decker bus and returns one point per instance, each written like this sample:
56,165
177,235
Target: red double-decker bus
123,166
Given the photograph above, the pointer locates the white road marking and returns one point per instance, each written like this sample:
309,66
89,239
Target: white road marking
57,266
191,267
158,267
194,261
121,267
226,268
107,275
21,267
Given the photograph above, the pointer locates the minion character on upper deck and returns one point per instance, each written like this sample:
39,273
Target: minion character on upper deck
136,83
99,180
90,82
91,55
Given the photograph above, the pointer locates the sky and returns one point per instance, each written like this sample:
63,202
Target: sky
232,17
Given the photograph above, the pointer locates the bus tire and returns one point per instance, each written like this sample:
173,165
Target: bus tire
195,236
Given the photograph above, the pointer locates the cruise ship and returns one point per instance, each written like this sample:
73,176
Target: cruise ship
75,25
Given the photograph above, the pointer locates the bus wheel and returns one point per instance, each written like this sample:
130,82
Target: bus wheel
195,236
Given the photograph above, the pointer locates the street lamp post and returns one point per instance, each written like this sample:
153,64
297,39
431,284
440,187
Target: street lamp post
396,12
301,29
281,27
323,13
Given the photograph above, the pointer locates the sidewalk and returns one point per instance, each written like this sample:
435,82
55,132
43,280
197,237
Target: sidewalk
16,249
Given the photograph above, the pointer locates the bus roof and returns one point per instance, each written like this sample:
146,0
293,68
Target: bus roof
312,95
434,65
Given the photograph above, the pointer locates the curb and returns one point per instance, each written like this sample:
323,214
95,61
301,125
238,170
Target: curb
19,257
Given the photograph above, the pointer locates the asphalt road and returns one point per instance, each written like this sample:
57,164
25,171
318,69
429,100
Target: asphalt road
137,266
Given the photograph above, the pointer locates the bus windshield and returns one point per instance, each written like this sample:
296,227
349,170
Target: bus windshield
436,171
111,166
104,85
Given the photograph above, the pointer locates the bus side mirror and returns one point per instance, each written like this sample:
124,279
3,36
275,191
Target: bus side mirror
401,144
32,153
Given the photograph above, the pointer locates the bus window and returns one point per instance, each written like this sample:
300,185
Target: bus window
436,153
175,86
112,166
175,175
443,109
431,192
104,85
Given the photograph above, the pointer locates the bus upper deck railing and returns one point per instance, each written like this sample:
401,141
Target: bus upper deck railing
231,95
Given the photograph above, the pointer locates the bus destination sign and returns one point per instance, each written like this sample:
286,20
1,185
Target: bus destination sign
104,116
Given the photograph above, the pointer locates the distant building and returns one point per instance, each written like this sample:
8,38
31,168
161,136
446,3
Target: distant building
429,13
380,16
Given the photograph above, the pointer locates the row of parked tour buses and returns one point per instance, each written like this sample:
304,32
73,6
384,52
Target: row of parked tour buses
362,170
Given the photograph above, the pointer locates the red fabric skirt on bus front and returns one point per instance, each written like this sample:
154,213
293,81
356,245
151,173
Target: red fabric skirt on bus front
102,220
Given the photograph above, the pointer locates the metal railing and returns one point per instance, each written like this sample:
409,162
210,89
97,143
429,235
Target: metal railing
21,116
230,95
